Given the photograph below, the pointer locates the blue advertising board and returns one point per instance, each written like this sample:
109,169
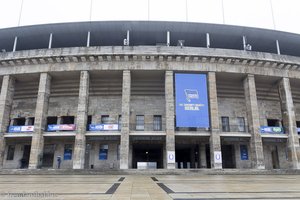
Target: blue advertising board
17,129
191,100
271,129
68,154
244,152
103,154
103,127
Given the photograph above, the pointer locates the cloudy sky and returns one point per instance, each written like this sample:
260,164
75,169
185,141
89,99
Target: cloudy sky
271,14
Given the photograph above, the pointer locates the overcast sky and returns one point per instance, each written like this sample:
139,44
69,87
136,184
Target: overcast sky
254,13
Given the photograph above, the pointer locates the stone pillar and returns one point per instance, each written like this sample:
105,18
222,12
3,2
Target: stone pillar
6,100
289,122
170,114
124,149
202,153
256,146
37,143
215,142
81,120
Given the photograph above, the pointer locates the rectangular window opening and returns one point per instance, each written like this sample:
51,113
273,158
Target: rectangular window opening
157,123
225,124
10,152
67,119
140,123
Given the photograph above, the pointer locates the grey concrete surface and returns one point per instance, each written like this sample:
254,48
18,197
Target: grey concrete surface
138,186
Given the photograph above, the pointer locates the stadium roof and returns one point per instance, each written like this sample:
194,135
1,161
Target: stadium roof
112,33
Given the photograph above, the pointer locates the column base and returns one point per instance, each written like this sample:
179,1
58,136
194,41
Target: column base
171,166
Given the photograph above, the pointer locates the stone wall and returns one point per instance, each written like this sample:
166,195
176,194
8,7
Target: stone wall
105,105
268,110
112,161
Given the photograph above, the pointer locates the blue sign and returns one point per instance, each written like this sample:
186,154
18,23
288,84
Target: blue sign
68,154
298,130
103,154
244,152
103,127
271,129
18,129
191,100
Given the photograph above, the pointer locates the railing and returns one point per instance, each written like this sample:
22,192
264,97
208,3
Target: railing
147,127
234,128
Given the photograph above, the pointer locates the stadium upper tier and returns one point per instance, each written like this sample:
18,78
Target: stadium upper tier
148,33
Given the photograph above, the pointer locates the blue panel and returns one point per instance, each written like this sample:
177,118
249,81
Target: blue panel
271,129
191,100
103,154
244,152
68,154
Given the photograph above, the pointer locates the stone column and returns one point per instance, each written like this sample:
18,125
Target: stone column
202,153
81,120
124,149
37,143
170,114
289,122
6,100
215,142
256,146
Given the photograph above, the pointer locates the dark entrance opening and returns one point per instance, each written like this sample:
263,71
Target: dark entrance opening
187,156
275,159
207,149
147,153
228,156
26,155
48,156
87,157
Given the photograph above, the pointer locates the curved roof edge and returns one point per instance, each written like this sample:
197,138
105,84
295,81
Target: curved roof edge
113,33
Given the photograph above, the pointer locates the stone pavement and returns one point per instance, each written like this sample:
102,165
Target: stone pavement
140,187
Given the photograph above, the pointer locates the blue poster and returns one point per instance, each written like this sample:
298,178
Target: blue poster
68,154
103,154
272,129
244,152
191,100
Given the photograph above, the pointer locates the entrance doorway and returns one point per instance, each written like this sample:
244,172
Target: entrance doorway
48,156
228,156
147,153
25,157
87,157
275,159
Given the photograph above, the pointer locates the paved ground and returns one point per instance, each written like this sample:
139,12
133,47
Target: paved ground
140,187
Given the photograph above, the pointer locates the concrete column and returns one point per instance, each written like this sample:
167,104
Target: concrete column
6,99
81,120
202,153
37,143
215,142
170,113
124,149
289,122
256,146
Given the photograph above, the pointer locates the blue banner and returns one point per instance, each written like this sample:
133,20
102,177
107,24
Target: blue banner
68,154
61,127
103,154
271,129
18,129
103,127
244,152
191,100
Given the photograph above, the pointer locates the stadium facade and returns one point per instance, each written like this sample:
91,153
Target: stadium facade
132,94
